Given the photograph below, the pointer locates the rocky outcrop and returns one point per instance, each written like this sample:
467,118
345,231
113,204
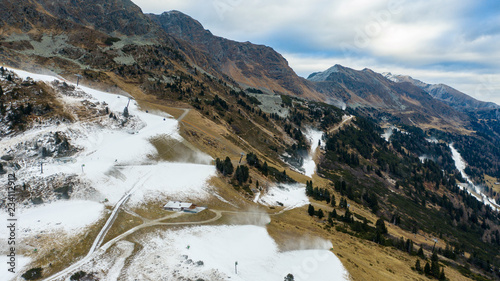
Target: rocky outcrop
249,64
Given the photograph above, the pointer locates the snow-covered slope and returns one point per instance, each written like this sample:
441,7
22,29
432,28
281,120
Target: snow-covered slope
469,186
210,253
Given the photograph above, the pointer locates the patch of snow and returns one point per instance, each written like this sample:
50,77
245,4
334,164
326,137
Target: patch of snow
126,249
116,160
391,77
424,157
460,164
432,140
314,137
322,76
211,253
69,216
289,195
216,195
21,266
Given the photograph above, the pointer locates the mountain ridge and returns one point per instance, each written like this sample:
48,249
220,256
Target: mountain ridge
250,65
445,93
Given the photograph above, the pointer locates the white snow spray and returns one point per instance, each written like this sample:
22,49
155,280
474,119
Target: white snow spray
319,249
307,243
250,217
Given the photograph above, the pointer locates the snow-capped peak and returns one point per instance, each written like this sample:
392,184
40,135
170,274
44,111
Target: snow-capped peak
391,77
322,76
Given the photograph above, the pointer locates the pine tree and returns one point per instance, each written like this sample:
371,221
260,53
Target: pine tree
427,269
2,108
332,201
409,246
125,112
289,277
310,210
264,169
334,214
309,188
241,174
380,225
320,214
420,253
227,167
442,276
435,265
418,267
348,216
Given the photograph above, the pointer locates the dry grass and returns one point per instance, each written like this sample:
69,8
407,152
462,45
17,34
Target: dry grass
60,251
363,259
123,222
151,210
173,150
490,182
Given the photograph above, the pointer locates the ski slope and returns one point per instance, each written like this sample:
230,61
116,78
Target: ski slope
177,253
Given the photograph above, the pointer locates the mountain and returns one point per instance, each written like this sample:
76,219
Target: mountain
68,36
445,93
250,65
368,89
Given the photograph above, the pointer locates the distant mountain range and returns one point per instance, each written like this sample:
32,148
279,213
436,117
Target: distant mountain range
444,93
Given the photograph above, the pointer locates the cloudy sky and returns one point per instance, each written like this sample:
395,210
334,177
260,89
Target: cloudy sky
441,41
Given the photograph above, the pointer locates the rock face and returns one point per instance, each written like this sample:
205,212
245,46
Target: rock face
248,64
110,16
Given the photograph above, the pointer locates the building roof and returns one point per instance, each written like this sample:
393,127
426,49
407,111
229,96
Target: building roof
177,205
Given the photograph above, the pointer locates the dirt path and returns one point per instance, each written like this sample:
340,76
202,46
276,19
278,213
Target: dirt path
186,111
345,119
96,251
